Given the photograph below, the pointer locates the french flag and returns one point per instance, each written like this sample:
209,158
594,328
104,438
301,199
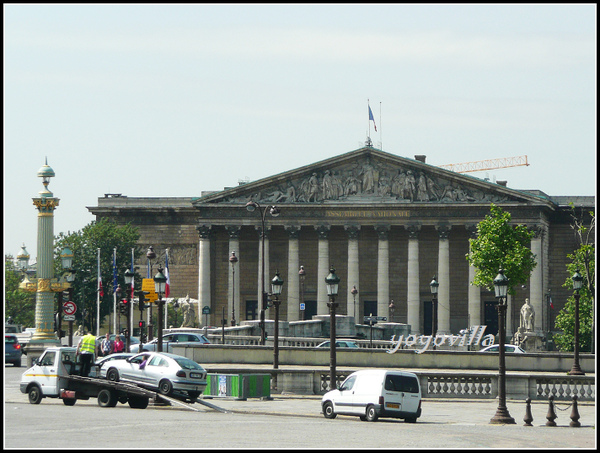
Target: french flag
371,118
168,285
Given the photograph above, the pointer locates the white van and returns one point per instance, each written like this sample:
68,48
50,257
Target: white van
371,394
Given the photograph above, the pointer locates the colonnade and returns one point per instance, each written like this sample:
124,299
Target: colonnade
413,295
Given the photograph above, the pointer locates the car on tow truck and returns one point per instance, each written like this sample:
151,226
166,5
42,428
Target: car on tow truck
167,373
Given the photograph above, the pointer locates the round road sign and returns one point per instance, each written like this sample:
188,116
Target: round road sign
69,308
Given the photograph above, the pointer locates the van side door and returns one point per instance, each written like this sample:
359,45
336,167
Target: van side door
46,373
411,393
344,403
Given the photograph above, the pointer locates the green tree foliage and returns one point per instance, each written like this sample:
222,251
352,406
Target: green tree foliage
106,236
19,305
501,245
584,260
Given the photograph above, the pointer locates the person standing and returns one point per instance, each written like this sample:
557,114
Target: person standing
106,347
86,352
118,345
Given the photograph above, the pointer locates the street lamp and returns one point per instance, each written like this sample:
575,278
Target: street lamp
66,260
251,206
332,282
233,259
354,292
302,274
392,308
150,255
129,276
160,283
501,288
276,287
434,285
577,285
23,259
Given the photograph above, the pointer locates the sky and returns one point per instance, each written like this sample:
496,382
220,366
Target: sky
156,100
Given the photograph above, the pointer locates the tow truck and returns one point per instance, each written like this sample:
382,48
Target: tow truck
54,375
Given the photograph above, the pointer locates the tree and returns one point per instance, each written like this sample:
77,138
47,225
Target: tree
105,235
583,259
19,305
501,245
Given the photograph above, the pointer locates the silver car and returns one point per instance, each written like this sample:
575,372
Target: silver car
160,371
169,340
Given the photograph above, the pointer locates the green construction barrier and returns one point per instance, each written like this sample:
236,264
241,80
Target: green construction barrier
238,386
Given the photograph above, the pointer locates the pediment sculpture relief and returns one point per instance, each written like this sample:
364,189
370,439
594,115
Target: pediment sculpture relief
369,180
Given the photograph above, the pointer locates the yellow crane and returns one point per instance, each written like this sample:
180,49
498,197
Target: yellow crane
487,164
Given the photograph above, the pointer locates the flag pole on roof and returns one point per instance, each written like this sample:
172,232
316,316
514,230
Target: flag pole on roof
371,118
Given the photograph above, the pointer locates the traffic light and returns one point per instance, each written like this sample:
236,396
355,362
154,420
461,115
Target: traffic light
142,324
124,307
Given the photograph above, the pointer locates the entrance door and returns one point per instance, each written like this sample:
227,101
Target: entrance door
370,308
310,309
251,309
427,318
490,317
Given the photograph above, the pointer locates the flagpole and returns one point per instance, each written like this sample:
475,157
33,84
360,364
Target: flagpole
132,294
98,298
380,139
114,290
369,110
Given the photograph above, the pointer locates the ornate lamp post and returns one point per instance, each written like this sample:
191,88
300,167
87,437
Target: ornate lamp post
302,274
354,292
434,285
392,308
150,255
233,260
332,281
66,258
501,287
251,206
129,276
45,284
23,259
276,287
577,284
160,282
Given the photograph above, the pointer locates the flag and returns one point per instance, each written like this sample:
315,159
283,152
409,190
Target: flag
132,271
371,118
168,284
115,279
551,304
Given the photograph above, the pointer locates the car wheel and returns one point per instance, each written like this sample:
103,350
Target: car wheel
328,411
107,398
35,395
165,387
69,401
113,375
410,420
371,413
138,402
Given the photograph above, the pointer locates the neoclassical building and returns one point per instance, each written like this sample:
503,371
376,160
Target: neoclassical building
387,224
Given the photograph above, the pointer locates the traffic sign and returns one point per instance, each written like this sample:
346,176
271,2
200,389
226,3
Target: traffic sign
206,310
69,308
69,317
302,306
148,285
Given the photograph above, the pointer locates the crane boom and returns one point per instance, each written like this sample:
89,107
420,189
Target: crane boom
487,164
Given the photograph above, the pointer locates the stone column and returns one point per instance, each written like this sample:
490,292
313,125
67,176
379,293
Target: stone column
474,294
353,271
322,268
204,274
444,280
536,281
233,293
383,270
413,298
293,281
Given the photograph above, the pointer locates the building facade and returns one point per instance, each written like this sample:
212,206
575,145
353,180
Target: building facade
387,224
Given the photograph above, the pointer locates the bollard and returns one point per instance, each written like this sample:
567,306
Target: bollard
551,416
528,417
574,414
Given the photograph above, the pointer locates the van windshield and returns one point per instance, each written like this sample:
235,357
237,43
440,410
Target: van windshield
399,383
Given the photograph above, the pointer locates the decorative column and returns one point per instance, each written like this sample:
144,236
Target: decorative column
383,270
474,294
413,299
293,286
322,268
536,281
233,292
44,302
353,270
204,274
444,280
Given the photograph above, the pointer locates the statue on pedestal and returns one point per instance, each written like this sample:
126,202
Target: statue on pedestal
527,317
189,315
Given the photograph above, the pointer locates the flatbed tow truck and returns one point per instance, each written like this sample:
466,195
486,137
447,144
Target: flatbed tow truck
53,375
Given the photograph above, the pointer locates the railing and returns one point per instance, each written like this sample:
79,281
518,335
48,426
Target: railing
457,386
564,388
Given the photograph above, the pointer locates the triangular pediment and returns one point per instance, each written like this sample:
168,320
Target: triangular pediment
369,175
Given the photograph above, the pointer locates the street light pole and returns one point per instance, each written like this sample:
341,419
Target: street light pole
233,259
332,281
274,211
150,255
160,282
302,274
354,292
577,284
434,305
276,287
501,287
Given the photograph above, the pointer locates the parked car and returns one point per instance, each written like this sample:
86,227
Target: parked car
12,349
339,344
159,371
371,394
170,339
507,348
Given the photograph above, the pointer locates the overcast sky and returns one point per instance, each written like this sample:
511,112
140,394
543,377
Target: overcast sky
171,100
